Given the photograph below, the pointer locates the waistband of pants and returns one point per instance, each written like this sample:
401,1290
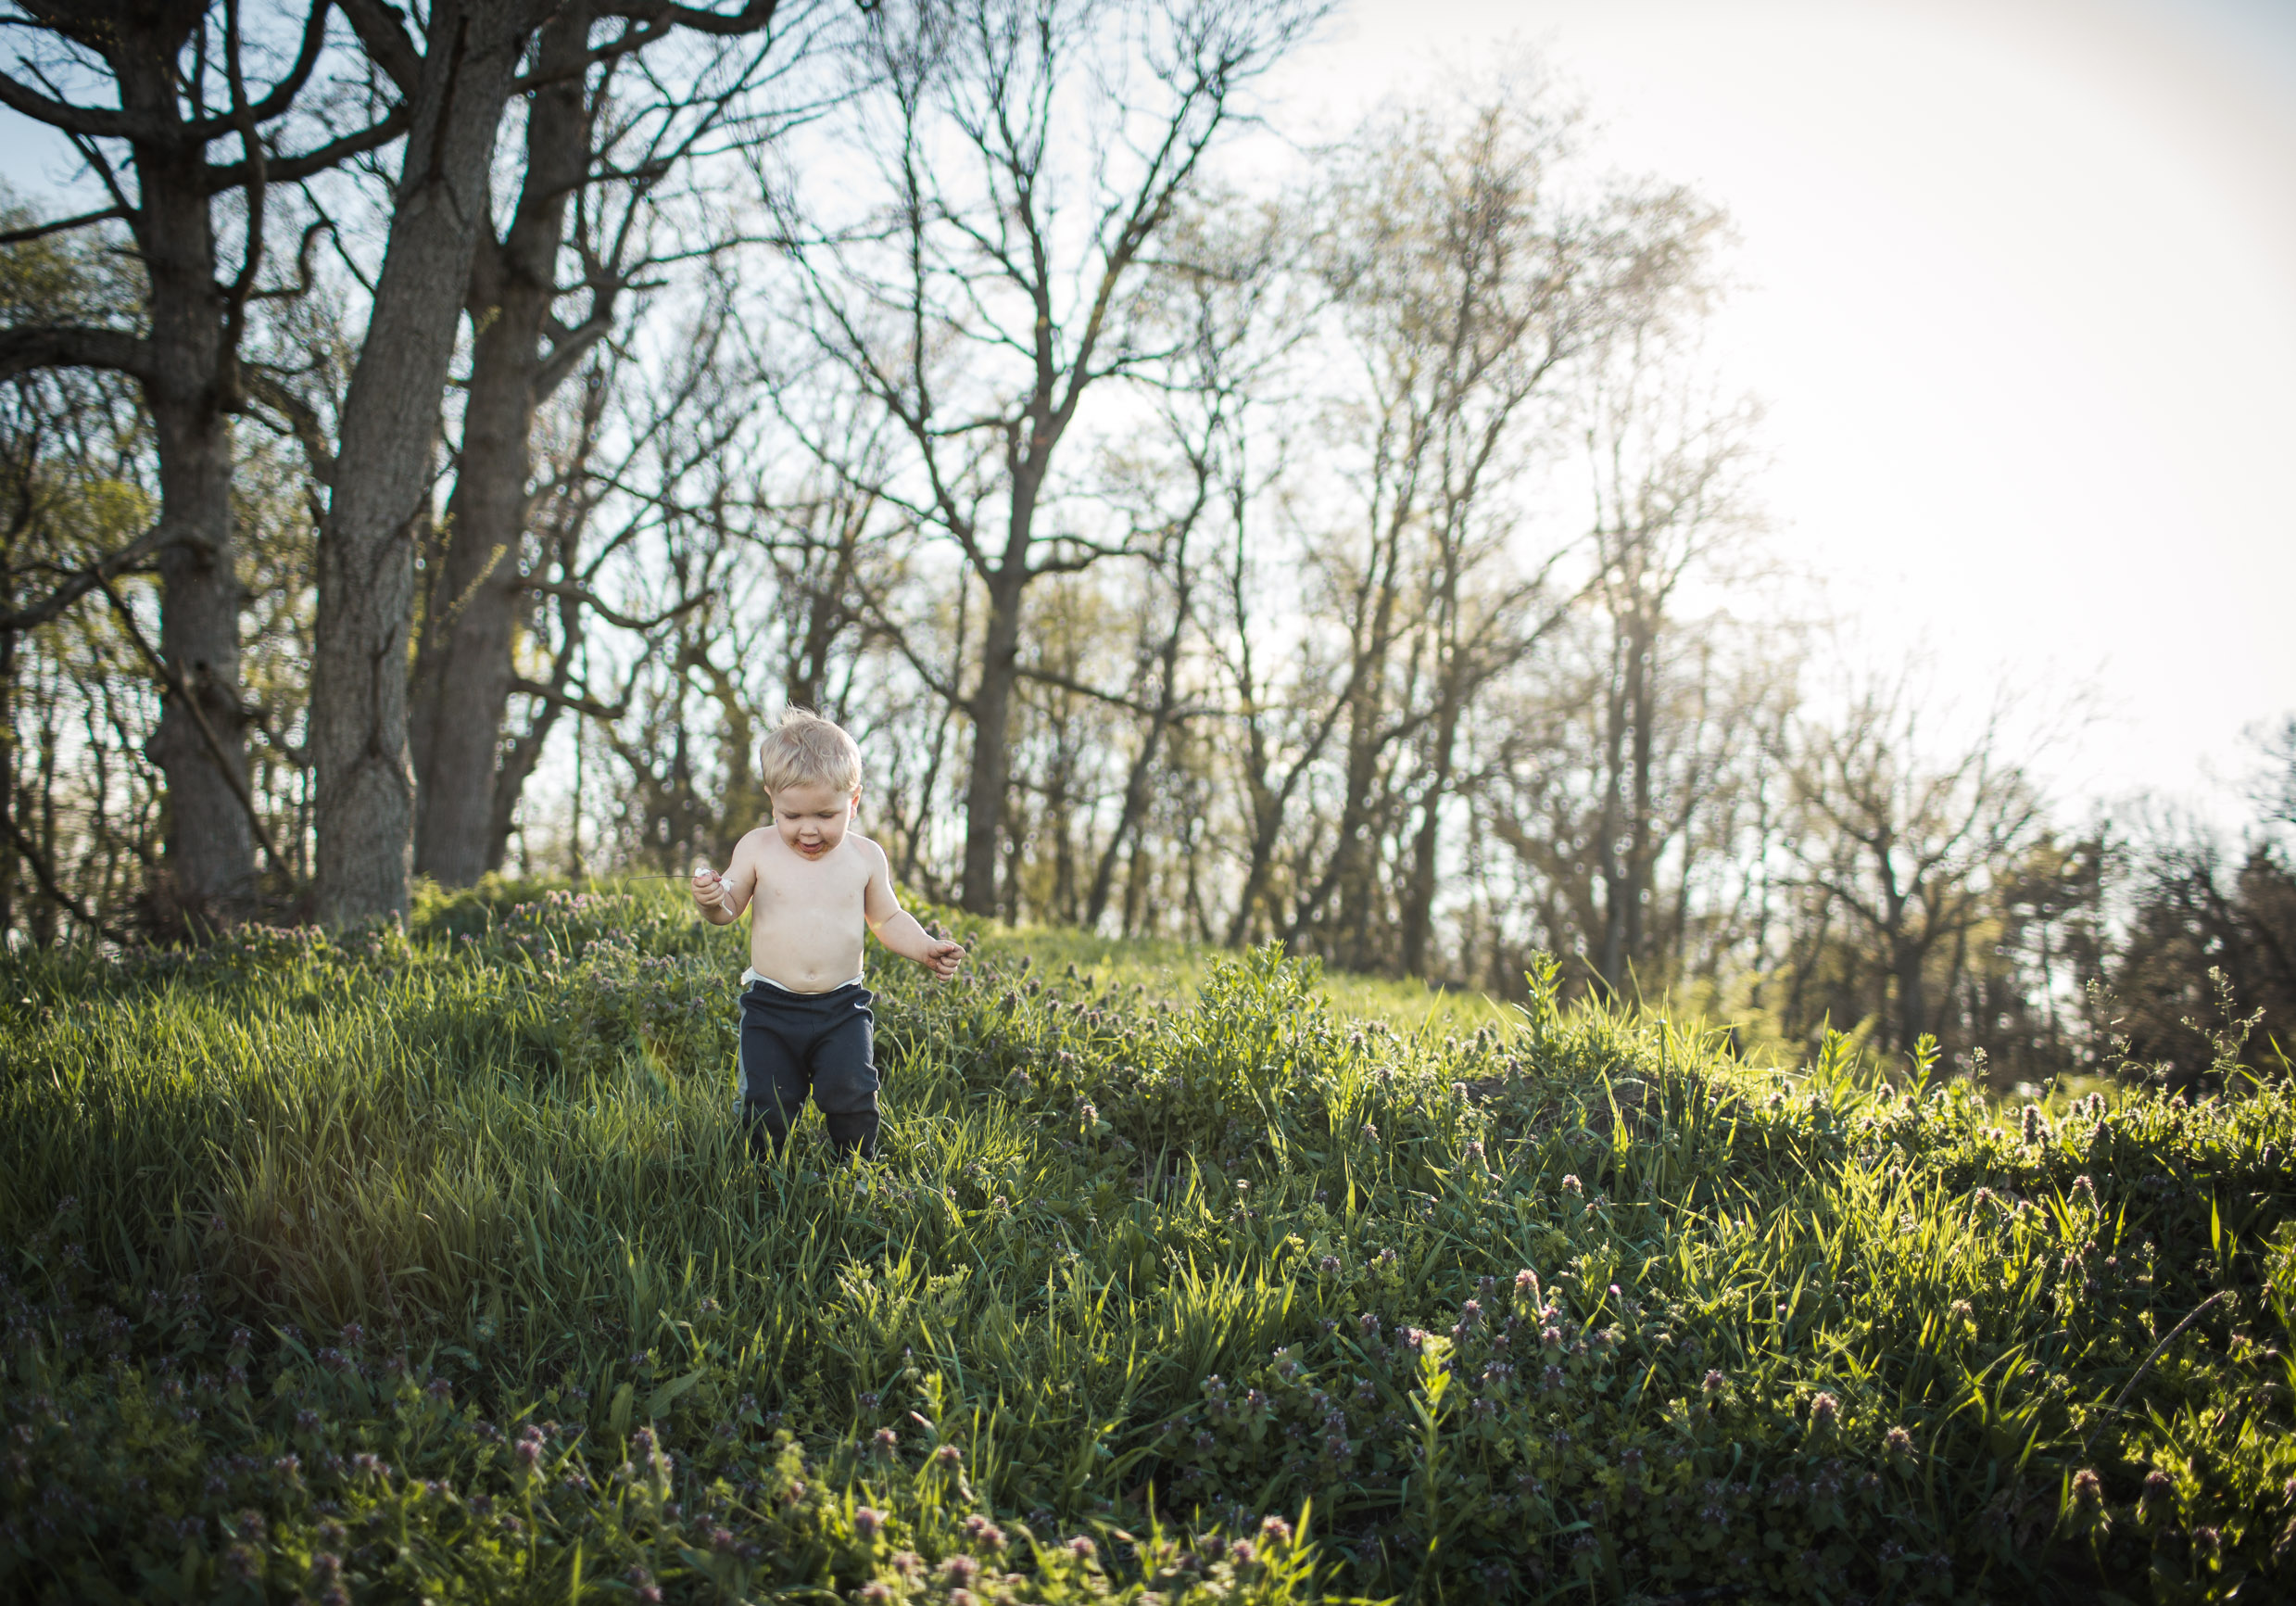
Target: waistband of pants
751,975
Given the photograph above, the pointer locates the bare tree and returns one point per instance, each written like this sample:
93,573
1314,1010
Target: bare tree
180,80
979,310
1466,288
1904,845
457,81
605,128
1669,500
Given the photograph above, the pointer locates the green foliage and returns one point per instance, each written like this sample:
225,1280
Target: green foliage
1578,1308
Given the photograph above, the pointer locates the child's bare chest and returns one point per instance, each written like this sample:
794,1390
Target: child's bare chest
795,890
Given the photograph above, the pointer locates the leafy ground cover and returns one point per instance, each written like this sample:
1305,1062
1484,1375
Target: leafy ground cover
431,1267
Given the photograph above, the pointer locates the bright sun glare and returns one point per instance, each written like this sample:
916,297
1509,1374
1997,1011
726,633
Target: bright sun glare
2020,294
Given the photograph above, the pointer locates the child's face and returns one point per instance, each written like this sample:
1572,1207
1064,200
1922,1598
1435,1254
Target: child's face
813,819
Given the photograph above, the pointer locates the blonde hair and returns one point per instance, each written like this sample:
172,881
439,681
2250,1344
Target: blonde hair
807,750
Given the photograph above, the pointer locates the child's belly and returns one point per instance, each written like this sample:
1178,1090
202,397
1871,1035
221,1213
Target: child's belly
805,953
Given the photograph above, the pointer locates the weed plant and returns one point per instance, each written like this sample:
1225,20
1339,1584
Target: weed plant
433,1267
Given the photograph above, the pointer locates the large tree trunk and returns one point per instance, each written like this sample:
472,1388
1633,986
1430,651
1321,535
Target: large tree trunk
464,669
1611,952
8,866
382,488
1418,899
1643,804
211,841
1907,957
991,711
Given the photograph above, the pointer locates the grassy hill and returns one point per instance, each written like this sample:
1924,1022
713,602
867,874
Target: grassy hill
397,1268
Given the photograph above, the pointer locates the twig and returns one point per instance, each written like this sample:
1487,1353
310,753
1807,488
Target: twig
2158,1350
46,875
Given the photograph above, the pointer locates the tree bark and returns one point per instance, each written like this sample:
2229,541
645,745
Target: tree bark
186,367
210,843
1418,901
463,670
365,813
990,707
1143,770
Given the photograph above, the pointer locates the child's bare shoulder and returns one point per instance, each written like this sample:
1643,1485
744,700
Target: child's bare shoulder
753,844
867,850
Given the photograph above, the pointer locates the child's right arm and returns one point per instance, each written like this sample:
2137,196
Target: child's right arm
721,899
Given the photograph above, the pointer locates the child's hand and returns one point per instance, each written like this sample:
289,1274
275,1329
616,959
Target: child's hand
943,956
709,889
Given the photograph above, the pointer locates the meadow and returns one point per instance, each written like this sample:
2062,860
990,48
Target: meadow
430,1266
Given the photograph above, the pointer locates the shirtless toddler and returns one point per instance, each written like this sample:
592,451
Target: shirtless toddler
814,885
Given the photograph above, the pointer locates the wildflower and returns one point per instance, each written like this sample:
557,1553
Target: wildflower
884,1440
1274,1530
1370,1134
2085,1190
1241,1552
2087,1490
960,1569
1527,1283
948,1455
866,1521
1714,1380
876,1593
1551,1337
984,1532
1822,1410
1897,1442
1081,1548
1571,1185
1328,1266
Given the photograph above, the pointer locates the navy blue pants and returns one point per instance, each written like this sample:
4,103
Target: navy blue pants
821,1043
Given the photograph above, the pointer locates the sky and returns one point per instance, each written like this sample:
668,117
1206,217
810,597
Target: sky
2017,287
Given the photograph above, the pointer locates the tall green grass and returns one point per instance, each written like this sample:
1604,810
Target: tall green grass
1174,1276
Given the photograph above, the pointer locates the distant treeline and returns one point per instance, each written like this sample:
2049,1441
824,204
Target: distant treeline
1350,549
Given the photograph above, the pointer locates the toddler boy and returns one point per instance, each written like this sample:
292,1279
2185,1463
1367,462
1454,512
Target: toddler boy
812,884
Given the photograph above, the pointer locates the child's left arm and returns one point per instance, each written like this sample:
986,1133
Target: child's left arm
899,931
